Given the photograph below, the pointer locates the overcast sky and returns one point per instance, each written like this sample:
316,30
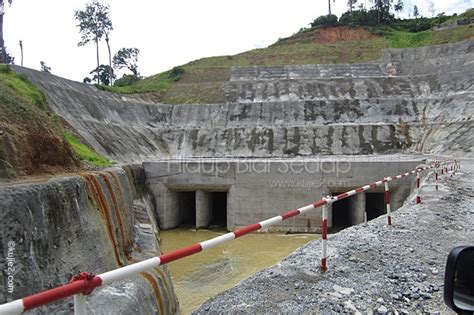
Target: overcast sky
168,33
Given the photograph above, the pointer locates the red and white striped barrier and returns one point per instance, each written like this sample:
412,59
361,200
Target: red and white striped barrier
436,177
418,197
387,203
85,283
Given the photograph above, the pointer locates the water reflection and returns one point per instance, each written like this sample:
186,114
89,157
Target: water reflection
201,276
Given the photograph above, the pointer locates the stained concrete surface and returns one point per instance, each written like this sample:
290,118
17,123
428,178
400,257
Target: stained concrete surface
83,223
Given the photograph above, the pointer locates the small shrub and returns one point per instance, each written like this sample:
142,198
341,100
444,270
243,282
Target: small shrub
5,69
176,73
360,18
126,80
325,20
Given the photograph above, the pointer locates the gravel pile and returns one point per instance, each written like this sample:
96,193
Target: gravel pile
396,269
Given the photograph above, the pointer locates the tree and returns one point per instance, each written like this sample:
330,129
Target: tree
431,8
127,58
94,24
110,55
415,11
329,5
3,53
351,4
102,74
399,6
44,67
383,10
325,20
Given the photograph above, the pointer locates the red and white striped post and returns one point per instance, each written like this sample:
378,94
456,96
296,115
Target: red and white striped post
80,304
324,232
436,176
387,201
418,198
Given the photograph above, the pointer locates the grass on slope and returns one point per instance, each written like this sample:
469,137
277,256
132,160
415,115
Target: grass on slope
203,79
429,38
21,94
85,153
25,116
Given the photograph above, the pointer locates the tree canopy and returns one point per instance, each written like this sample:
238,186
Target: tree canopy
94,24
127,58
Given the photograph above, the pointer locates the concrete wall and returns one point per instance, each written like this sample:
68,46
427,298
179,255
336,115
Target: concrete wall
260,189
425,98
94,222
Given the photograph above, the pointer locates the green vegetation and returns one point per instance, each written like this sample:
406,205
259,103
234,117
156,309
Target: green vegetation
201,81
24,110
400,39
325,20
84,152
22,86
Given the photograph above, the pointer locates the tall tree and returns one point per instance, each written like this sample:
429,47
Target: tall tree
107,40
3,53
399,7
416,13
329,6
431,7
351,4
383,10
94,24
127,58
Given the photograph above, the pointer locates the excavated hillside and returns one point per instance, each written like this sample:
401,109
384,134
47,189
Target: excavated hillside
412,100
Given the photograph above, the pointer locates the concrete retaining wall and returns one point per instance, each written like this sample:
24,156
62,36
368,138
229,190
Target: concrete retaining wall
84,223
289,111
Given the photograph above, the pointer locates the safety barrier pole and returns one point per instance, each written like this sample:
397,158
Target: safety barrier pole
80,305
418,198
324,233
436,177
84,283
387,202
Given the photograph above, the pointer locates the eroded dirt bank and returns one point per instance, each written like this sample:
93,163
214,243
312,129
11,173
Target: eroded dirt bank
372,267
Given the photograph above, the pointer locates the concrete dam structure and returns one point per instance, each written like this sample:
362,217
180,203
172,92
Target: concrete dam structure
286,136
289,111
234,193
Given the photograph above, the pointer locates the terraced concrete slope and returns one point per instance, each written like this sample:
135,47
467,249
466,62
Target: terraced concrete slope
413,100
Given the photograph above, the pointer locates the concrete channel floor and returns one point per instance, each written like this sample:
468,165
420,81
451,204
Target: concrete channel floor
373,267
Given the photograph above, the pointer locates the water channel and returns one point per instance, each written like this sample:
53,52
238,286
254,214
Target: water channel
201,276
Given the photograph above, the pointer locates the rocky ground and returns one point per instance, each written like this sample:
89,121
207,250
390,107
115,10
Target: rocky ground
372,268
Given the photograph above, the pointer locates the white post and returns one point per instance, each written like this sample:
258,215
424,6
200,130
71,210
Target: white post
80,305
387,203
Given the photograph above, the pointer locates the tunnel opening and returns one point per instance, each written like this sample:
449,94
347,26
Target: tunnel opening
187,208
218,209
374,205
342,213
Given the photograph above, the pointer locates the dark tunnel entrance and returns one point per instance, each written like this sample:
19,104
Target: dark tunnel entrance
342,213
218,209
187,208
374,205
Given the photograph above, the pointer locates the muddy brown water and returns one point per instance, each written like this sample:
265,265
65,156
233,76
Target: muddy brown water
201,276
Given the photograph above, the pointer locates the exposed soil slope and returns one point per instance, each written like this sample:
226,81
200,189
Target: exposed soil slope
30,139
